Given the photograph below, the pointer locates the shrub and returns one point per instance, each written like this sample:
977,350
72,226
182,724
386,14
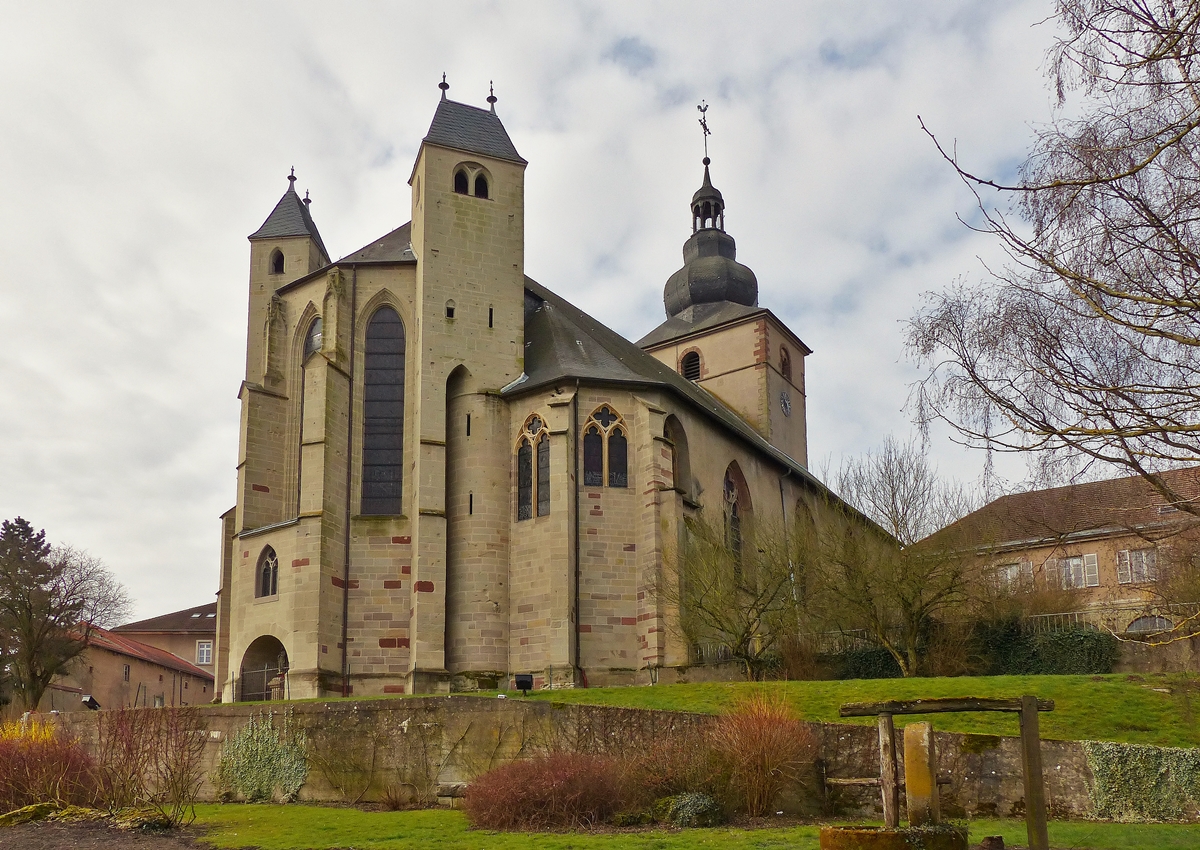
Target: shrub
558,790
765,747
1003,647
258,760
680,762
40,763
690,808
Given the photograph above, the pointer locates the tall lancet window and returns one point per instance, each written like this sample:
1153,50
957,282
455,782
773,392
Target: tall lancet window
312,340
530,489
383,415
605,429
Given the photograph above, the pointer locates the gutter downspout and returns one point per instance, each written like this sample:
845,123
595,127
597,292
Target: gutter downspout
349,475
575,454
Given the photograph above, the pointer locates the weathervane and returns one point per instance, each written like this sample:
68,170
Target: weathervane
703,109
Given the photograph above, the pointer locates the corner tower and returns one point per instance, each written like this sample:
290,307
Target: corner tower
468,237
717,335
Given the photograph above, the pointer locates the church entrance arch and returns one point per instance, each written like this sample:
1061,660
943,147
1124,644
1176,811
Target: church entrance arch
264,671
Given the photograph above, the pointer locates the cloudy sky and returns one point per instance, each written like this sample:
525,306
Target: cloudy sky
140,143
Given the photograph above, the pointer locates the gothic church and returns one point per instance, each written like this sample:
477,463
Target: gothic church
449,475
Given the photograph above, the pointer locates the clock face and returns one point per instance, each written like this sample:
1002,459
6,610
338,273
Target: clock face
785,402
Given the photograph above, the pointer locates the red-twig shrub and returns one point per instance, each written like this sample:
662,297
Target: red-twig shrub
764,748
40,763
559,790
679,762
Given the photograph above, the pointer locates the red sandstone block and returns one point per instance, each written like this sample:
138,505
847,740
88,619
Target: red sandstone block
403,540
402,643
582,628
260,488
387,643
245,554
300,562
424,587
337,582
629,621
405,569
393,689
525,641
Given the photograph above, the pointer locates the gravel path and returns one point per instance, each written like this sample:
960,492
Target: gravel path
45,835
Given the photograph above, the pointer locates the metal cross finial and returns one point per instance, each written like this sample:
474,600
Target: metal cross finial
307,200
703,109
492,95
444,86
292,178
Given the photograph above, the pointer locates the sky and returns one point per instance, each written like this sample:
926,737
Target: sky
141,142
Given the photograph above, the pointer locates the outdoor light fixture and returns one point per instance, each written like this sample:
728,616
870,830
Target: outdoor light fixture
524,683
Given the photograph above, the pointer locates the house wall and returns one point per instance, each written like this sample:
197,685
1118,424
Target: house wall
101,673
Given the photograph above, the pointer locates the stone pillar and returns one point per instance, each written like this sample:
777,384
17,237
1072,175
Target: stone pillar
920,774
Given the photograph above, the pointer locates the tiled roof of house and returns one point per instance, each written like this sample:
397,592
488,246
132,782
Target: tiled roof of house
199,620
1095,507
104,639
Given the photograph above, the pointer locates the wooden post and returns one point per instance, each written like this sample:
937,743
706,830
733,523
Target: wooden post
1035,790
920,774
888,785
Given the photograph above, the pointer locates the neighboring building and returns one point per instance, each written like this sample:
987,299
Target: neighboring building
1109,542
190,634
119,672
448,474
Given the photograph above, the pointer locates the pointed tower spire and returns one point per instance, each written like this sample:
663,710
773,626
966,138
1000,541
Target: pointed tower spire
444,86
492,96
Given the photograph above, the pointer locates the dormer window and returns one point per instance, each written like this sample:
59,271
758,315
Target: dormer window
689,366
276,262
481,186
460,182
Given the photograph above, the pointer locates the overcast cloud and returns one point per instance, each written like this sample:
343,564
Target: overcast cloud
140,143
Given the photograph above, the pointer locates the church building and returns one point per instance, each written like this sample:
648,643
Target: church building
449,475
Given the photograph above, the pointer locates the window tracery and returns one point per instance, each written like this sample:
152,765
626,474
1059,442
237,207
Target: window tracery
267,574
533,488
605,450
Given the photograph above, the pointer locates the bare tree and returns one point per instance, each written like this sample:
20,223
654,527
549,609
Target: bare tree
734,588
50,600
1085,347
887,584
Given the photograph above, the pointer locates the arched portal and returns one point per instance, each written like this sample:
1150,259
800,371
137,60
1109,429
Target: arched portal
264,671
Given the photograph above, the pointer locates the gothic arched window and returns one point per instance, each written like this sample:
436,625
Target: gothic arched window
689,366
277,262
312,339
481,186
460,182
267,574
383,414
737,508
533,434
605,428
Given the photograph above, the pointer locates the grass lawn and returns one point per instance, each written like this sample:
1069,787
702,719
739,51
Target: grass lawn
297,827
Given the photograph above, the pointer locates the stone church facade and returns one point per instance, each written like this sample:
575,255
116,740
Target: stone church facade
449,475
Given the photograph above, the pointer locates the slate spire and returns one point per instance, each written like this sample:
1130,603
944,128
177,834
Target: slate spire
291,218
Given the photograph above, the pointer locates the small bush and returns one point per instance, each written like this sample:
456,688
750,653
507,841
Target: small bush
259,760
689,809
765,748
40,763
559,790
681,762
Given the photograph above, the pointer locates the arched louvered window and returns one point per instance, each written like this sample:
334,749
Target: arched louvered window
618,459
312,339
481,186
460,182
785,363
383,414
543,475
276,262
689,366
525,480
267,578
605,450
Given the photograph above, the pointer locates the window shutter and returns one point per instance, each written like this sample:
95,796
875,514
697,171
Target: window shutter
1026,574
1091,571
1151,565
1053,574
1124,576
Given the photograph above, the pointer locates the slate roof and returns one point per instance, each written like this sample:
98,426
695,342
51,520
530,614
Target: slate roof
468,128
395,247
290,218
564,343
199,620
104,639
1094,508
697,318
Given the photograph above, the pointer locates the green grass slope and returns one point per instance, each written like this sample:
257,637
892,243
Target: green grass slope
1149,709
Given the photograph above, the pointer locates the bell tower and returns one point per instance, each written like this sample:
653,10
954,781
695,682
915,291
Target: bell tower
468,236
